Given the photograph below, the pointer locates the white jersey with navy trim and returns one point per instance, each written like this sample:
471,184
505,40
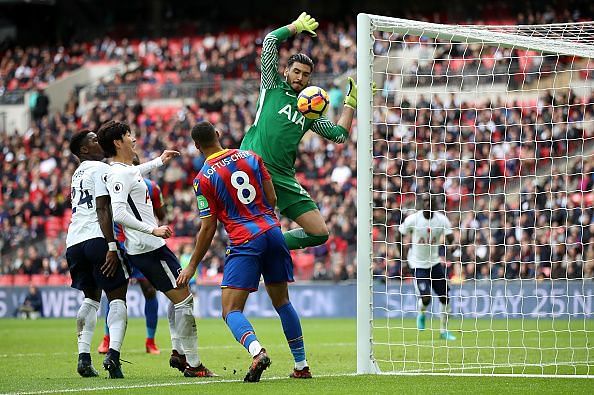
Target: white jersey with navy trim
88,183
128,190
426,238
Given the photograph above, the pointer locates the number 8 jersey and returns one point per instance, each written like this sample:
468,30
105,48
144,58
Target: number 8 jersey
88,183
229,187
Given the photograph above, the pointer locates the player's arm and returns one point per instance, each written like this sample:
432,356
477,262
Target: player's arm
327,129
270,76
119,189
449,233
269,192
106,224
449,239
339,133
208,214
404,229
104,217
164,159
203,241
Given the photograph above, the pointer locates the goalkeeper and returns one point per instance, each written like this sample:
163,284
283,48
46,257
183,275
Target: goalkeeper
279,127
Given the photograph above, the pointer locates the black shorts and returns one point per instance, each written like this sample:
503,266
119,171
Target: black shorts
85,260
434,277
160,267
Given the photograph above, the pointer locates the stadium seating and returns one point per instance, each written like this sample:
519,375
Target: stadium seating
168,125
6,280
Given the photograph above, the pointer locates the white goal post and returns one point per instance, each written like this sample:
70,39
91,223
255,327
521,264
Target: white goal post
496,122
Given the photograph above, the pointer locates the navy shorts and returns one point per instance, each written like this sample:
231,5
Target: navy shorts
267,255
435,278
160,267
85,260
134,272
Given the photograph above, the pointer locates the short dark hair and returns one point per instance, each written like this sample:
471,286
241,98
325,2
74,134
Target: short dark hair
204,134
108,133
300,58
77,141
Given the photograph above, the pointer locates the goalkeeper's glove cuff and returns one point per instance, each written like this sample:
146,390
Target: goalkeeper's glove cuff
350,102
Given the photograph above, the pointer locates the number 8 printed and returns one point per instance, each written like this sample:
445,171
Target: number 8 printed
242,176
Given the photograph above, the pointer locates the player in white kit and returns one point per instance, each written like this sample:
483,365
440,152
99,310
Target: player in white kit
91,251
145,248
427,227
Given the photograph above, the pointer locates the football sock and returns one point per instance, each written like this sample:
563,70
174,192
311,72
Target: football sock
421,306
243,332
117,320
297,238
151,309
175,341
443,318
106,327
185,326
86,319
293,333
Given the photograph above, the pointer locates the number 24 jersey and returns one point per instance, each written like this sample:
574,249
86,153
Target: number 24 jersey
88,183
230,187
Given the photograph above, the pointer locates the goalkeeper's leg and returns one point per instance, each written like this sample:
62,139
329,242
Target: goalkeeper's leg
295,203
313,231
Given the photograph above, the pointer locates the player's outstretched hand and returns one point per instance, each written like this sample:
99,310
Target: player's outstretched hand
185,276
350,99
306,23
162,231
168,155
112,261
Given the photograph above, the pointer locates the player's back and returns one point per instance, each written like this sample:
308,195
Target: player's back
230,187
88,183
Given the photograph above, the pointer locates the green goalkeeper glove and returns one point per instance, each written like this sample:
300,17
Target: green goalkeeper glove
305,23
351,97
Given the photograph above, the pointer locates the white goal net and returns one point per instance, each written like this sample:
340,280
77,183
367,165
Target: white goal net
497,124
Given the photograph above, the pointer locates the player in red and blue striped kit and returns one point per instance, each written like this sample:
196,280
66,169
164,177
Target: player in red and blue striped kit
151,305
235,188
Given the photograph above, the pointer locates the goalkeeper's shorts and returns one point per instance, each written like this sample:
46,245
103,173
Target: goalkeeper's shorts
291,198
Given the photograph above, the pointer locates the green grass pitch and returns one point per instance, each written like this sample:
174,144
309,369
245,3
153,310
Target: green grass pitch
40,357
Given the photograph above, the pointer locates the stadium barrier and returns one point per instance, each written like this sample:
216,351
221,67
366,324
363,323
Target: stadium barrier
528,299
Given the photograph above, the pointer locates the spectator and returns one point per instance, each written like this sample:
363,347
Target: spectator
32,307
40,109
320,273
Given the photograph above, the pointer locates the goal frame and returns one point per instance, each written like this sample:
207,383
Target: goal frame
366,363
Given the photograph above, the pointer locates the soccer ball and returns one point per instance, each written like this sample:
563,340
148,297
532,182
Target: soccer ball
313,102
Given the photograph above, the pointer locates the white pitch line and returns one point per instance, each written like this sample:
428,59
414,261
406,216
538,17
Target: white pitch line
486,375
169,384
192,382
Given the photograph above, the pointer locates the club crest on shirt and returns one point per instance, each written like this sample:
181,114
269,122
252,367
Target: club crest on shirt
117,188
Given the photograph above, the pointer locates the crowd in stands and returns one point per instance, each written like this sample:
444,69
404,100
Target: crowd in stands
474,156
22,69
156,65
466,152
440,145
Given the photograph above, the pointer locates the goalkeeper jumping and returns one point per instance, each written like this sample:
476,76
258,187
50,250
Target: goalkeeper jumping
279,127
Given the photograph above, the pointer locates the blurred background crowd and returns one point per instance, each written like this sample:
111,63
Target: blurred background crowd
512,175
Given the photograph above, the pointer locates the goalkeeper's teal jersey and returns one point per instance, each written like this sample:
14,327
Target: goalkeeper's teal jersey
279,126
